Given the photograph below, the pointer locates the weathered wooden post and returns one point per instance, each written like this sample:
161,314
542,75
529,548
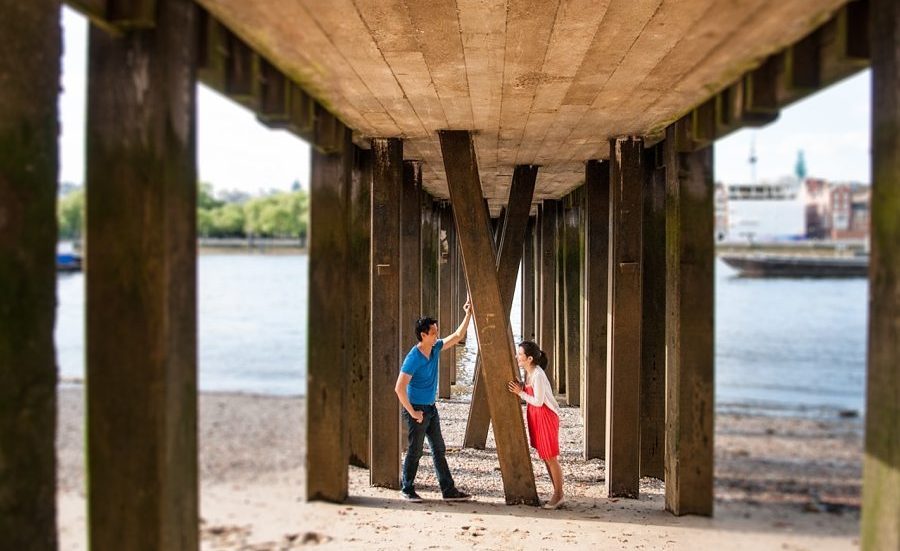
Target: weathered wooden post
410,253
491,320
624,332
690,289
596,276
881,469
547,299
653,317
447,305
527,288
430,249
559,359
387,192
141,327
509,234
359,288
572,305
328,448
29,65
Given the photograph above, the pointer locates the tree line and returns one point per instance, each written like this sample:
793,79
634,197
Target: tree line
279,214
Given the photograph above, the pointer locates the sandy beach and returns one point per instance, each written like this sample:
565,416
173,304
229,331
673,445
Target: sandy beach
781,483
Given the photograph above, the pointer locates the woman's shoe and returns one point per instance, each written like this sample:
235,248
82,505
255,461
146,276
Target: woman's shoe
557,505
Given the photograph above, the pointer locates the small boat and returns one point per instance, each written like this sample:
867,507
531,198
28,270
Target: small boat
68,262
778,265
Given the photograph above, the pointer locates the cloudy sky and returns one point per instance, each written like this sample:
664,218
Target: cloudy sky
236,152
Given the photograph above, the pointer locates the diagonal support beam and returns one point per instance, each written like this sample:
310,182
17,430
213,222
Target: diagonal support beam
491,318
511,239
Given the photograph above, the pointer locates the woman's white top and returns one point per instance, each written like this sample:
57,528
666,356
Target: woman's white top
543,394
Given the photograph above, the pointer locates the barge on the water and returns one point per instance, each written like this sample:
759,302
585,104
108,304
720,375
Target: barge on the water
776,265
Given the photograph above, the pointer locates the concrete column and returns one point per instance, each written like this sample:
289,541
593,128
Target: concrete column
141,295
558,365
572,306
445,319
29,65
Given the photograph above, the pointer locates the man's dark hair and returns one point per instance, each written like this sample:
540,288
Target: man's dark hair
423,325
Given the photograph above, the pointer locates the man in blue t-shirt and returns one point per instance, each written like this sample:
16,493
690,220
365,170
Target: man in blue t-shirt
416,387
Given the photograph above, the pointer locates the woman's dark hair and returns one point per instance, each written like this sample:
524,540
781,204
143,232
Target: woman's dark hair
537,355
423,325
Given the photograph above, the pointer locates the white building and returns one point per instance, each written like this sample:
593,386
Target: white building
766,211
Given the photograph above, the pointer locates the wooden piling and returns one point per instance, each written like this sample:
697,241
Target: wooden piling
141,281
510,235
359,289
446,306
30,65
547,340
430,248
572,305
491,319
387,191
596,277
881,468
624,332
558,361
527,288
328,448
690,253
653,316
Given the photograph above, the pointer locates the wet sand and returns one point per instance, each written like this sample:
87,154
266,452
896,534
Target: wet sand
781,483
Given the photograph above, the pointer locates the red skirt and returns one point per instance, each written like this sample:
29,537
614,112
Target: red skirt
543,428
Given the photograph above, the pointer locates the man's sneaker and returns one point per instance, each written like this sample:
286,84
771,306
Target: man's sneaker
411,496
456,495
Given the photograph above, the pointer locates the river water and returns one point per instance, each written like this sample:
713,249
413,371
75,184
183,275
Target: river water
792,347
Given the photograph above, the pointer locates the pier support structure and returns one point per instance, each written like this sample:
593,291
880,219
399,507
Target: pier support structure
491,319
547,299
624,332
30,68
141,281
329,314
596,279
690,253
881,468
511,232
653,316
387,193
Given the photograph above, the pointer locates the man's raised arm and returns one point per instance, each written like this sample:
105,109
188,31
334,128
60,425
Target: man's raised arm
453,338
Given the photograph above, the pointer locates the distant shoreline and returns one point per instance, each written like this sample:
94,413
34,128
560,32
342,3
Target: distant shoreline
268,246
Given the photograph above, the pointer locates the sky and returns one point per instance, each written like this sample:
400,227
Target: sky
235,152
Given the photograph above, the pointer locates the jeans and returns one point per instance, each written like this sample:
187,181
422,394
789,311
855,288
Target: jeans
416,433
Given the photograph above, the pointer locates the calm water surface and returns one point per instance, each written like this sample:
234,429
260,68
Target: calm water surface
782,346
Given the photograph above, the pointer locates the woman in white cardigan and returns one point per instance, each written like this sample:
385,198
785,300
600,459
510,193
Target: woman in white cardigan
542,413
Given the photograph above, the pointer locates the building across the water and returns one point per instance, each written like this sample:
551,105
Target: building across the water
790,209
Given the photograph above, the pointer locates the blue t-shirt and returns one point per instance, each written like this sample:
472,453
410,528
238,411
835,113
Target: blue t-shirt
422,387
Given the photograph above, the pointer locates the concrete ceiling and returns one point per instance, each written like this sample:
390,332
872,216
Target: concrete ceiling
543,82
